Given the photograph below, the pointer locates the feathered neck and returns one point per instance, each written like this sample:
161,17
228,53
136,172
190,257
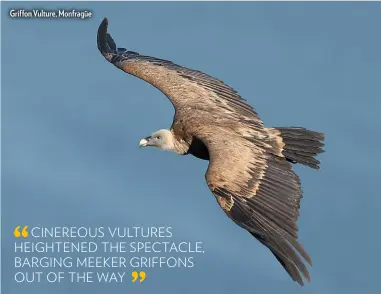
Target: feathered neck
180,146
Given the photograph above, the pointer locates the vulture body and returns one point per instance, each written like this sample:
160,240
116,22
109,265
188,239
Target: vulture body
250,171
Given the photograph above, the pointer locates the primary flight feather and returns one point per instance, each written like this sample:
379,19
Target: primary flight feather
249,171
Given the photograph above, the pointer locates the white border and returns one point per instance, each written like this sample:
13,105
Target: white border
192,1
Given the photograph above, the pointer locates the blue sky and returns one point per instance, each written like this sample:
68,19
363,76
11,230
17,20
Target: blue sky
71,124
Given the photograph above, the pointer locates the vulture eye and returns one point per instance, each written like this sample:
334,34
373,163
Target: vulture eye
158,137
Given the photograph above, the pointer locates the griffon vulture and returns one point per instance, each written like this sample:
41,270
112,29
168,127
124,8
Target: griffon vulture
249,172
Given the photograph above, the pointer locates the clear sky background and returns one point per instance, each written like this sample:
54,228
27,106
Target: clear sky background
71,124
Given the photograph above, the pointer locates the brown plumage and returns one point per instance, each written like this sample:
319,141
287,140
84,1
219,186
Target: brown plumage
249,171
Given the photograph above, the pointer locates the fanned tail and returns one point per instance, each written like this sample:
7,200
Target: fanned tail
302,145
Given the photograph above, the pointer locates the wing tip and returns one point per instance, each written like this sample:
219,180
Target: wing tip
105,43
104,22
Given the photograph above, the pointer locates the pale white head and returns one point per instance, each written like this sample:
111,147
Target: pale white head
162,139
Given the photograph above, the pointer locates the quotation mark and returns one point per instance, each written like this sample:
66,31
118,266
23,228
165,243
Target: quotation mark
23,233
136,275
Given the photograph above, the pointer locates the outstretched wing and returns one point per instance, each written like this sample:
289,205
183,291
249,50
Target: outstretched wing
185,88
259,191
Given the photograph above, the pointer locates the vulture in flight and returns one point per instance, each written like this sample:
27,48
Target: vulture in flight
250,166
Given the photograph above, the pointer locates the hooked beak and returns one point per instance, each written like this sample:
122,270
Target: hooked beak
144,142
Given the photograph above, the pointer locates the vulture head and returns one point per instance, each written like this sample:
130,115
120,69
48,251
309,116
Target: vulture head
162,139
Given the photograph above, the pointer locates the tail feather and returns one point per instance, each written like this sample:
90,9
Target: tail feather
302,145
